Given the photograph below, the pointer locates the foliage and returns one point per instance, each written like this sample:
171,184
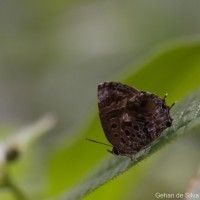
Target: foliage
166,71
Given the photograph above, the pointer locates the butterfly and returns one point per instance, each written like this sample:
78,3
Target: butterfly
131,119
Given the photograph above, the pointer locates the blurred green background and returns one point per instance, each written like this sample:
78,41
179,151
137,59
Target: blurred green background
53,54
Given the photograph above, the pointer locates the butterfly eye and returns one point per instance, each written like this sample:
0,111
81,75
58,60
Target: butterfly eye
115,151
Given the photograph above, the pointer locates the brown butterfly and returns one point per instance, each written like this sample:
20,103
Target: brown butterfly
131,119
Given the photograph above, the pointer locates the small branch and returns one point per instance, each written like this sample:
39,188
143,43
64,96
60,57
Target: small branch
16,191
12,187
16,145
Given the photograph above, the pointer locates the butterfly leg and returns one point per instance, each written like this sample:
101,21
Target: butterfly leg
165,96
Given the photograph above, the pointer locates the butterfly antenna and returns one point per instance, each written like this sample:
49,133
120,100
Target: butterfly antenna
99,142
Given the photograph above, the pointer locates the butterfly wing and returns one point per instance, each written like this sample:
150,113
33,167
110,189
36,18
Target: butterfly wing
112,102
131,119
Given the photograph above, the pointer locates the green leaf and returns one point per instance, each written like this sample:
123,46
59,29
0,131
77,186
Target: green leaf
186,117
175,70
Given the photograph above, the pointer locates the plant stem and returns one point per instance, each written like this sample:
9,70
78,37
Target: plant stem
18,193
10,185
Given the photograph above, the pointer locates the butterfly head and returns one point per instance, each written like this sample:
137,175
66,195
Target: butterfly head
114,151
